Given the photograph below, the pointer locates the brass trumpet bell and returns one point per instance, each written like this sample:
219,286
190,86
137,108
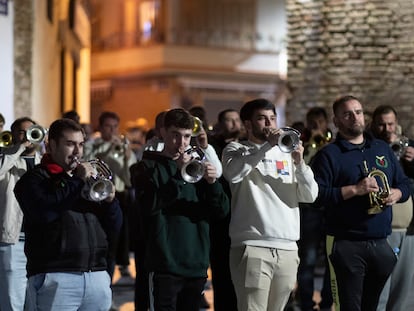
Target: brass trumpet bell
400,146
98,187
319,140
193,171
6,139
198,127
120,149
289,139
36,134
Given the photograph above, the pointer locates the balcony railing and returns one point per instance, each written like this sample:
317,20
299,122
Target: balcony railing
229,39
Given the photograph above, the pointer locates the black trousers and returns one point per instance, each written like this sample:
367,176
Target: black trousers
224,295
175,293
361,269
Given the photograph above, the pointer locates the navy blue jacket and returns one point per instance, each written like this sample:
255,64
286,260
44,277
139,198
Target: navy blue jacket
341,164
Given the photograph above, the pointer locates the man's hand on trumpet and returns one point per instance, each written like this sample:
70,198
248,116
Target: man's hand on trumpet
394,197
121,146
84,170
272,136
184,157
297,154
210,173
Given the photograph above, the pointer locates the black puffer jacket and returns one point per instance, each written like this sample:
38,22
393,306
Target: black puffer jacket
64,232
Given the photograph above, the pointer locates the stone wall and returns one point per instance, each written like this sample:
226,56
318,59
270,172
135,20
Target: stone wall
358,47
23,41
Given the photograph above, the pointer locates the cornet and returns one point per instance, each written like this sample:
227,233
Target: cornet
289,139
193,171
197,128
119,149
318,140
377,199
6,139
400,146
99,186
36,134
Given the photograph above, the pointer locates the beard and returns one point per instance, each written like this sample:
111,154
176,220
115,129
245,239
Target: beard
232,134
387,136
259,134
354,131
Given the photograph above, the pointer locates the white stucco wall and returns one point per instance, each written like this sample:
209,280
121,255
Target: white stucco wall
46,68
6,65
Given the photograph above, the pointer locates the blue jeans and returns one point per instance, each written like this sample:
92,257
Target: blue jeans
70,291
13,279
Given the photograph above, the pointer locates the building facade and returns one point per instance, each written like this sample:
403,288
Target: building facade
153,55
45,50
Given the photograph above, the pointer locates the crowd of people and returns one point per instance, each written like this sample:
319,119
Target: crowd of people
259,204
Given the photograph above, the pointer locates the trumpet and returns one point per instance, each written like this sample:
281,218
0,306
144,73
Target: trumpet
400,146
119,149
193,171
99,186
377,199
289,139
6,139
36,134
318,140
197,128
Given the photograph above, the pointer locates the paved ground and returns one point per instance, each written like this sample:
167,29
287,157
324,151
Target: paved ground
124,291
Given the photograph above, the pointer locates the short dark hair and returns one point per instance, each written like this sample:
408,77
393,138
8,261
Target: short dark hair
58,126
248,109
16,124
72,114
222,115
383,109
341,101
316,112
159,120
108,115
2,120
179,118
15,127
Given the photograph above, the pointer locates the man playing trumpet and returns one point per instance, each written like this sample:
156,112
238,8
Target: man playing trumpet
19,156
397,290
266,185
176,215
66,235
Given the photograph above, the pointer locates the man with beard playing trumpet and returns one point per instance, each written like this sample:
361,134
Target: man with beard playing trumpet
358,250
397,290
266,185
66,235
